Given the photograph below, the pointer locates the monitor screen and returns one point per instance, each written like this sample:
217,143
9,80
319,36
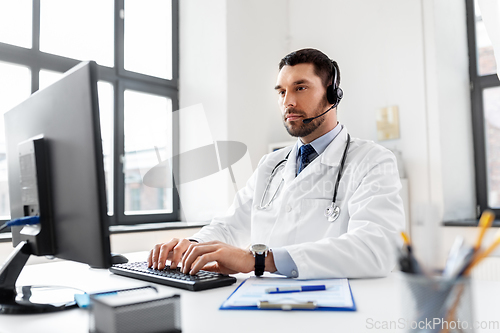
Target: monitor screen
75,223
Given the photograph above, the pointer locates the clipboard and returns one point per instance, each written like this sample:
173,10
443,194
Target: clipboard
249,292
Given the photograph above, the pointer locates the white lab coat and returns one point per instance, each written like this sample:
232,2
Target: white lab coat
361,243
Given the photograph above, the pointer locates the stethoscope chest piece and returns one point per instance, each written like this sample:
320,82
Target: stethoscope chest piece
332,212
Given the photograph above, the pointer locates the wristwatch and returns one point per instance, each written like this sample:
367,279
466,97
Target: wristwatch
259,251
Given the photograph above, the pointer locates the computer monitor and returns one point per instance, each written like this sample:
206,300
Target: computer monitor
55,169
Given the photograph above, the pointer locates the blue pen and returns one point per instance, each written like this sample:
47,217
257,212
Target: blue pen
298,289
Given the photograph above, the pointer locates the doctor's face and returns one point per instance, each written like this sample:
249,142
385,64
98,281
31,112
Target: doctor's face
302,95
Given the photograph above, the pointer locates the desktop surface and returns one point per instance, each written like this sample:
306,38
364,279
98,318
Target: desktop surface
377,300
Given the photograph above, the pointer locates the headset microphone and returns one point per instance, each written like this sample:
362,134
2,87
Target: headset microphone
308,120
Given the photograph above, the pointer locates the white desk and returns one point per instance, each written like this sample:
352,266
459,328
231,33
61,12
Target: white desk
378,299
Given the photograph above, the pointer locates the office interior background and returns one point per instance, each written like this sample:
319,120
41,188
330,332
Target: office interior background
170,71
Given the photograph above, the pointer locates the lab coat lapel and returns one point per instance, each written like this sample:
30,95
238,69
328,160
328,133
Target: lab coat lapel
334,151
290,167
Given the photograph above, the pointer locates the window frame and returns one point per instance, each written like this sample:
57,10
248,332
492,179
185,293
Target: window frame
478,83
120,79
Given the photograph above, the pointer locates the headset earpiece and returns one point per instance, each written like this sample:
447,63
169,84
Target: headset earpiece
333,93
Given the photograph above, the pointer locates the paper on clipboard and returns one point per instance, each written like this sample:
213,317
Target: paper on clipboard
251,291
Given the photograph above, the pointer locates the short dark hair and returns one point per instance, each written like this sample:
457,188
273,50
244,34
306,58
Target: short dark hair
322,64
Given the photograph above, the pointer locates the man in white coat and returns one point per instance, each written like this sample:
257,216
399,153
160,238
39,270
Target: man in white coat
294,222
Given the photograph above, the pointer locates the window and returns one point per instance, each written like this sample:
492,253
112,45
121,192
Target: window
135,44
485,102
147,139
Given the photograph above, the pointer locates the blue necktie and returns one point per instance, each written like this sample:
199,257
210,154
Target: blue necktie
304,152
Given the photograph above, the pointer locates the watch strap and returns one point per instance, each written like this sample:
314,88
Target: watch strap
260,264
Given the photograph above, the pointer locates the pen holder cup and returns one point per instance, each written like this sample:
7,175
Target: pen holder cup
436,304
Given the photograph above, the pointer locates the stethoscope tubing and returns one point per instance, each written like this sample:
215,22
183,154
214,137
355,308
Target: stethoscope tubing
337,183
341,169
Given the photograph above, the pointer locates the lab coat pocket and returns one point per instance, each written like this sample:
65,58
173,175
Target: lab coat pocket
263,222
314,225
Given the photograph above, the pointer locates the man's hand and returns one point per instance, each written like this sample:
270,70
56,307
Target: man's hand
210,256
228,259
173,251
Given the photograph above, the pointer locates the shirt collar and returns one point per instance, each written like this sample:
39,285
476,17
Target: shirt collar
323,141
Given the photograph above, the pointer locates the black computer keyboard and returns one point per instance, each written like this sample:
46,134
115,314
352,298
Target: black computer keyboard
173,277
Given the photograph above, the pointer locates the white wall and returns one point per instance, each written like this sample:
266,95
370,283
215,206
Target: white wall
454,130
203,99
257,41
451,161
203,62
229,52
411,53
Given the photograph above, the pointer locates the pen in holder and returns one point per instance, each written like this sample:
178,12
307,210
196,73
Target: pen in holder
437,304
443,303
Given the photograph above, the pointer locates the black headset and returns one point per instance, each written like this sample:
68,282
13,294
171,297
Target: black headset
334,93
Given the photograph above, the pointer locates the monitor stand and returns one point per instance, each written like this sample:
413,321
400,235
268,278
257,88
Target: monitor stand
30,299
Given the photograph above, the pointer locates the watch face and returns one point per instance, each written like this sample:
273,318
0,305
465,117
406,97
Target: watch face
260,248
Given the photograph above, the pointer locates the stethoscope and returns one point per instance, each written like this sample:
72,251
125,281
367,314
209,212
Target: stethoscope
332,212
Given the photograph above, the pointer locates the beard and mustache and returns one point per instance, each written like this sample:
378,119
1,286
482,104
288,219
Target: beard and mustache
299,128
